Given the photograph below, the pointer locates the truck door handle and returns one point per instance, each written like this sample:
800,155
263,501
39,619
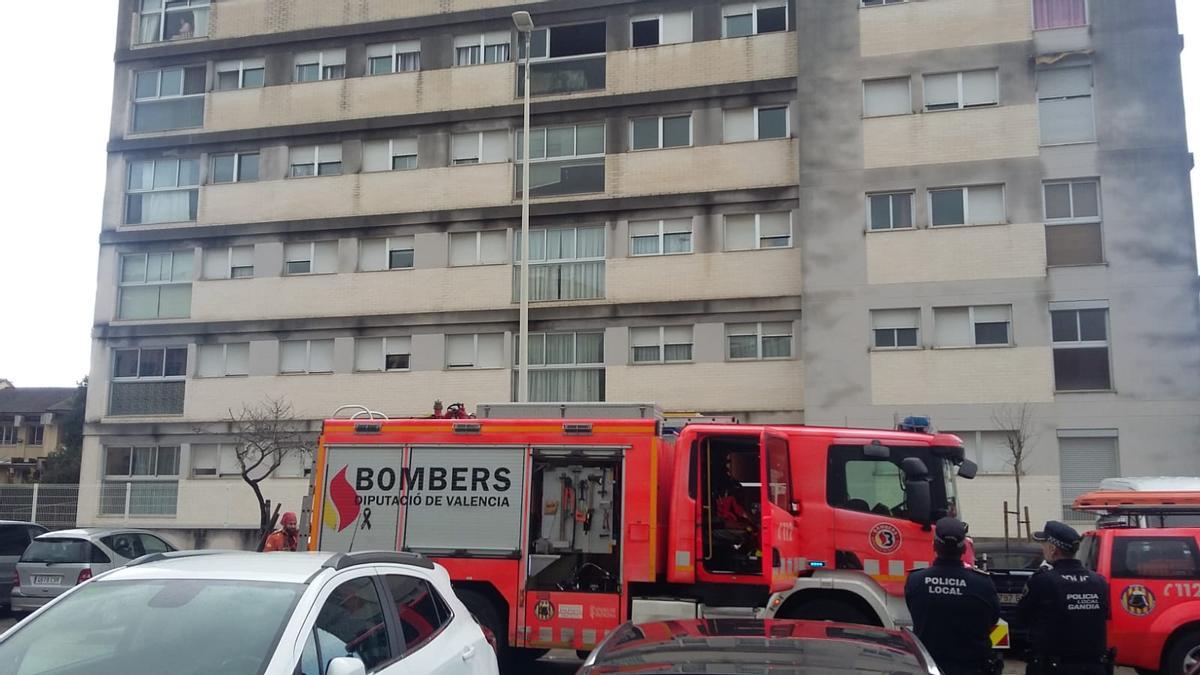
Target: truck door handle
468,653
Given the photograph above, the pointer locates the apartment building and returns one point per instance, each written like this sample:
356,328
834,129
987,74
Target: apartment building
800,210
30,428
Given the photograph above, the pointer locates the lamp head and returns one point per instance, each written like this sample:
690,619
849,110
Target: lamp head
523,21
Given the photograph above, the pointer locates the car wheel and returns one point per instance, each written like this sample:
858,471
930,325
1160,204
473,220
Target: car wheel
1184,655
830,609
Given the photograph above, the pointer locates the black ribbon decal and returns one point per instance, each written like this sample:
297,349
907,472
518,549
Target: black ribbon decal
366,519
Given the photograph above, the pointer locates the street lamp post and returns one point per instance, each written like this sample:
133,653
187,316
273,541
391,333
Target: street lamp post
524,24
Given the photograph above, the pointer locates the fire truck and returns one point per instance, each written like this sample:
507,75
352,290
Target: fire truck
1151,559
559,522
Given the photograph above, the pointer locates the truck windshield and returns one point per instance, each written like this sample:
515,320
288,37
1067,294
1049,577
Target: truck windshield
876,485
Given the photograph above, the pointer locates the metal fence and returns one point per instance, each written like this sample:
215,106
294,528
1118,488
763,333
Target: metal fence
54,506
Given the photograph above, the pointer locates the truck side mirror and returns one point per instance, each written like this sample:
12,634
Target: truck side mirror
968,469
876,450
920,504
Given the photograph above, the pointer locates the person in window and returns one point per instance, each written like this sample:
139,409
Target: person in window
184,30
737,529
287,537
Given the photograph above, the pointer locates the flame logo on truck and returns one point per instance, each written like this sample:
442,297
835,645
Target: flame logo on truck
341,504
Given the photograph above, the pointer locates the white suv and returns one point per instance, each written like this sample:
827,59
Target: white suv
238,613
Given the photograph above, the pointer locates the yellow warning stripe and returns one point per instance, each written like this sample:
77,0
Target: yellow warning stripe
999,635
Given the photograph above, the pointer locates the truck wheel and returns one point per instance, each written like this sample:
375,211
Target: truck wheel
1184,654
491,621
830,609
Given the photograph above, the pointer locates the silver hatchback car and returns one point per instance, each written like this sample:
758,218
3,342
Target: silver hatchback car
56,561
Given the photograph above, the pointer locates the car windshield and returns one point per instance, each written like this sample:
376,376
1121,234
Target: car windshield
149,627
59,550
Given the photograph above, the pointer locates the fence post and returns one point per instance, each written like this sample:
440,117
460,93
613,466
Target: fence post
128,492
33,506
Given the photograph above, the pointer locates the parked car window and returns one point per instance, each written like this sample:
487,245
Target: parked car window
351,623
126,544
1155,558
13,539
422,611
99,556
57,550
152,544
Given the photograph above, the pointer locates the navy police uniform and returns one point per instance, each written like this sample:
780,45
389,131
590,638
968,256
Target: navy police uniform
953,607
1066,607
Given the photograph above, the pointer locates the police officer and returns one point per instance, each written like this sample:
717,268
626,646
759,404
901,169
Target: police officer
953,607
1065,607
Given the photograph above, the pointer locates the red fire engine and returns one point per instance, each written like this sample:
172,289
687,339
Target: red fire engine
559,522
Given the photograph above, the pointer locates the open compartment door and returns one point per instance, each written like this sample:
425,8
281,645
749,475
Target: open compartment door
781,559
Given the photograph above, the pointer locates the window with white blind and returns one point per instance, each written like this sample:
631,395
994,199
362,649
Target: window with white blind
168,98
478,248
661,344
392,154
890,211
974,205
395,57
391,253
563,160
989,450
976,326
479,147
753,18
305,356
1086,457
759,123
164,20
765,340
471,50
241,74
476,350
210,460
310,257
155,285
326,64
229,262
566,367
751,231
662,131
967,89
1072,210
162,191
316,160
671,236
223,360
148,381
382,353
1079,338
1049,14
650,30
895,328
234,167
565,263
892,96
1065,112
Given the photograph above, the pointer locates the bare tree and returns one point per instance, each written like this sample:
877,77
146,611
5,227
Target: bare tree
1015,421
267,434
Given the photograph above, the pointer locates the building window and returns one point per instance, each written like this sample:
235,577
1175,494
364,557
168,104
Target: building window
393,154
316,160
8,434
756,124
565,59
327,64
35,434
168,98
890,211
969,89
224,360
895,328
215,459
382,353
1080,341
392,253
669,131
471,50
661,29
974,205
155,285
229,262
241,74
1086,457
306,356
661,344
1073,234
310,257
1065,112
880,3
148,381
768,340
162,191
141,462
566,367
398,57
478,248
752,18
892,96
234,167
564,160
566,264
140,480
976,326
1059,14
172,20
479,147
758,230
659,237
989,450
482,350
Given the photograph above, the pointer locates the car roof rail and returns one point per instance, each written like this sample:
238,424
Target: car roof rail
170,555
341,561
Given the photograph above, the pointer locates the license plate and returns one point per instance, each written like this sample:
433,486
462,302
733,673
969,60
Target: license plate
47,579
1009,598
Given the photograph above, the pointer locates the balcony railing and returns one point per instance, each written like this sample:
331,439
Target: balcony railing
578,175
139,498
563,76
147,398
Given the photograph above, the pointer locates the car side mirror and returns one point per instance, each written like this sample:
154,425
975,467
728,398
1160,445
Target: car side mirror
346,665
968,469
876,450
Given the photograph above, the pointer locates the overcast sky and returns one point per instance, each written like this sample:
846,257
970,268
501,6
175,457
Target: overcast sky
48,239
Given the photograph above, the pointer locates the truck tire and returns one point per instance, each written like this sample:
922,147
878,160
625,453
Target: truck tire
490,618
1183,654
832,609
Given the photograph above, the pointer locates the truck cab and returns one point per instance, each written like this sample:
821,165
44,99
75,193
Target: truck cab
1153,576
